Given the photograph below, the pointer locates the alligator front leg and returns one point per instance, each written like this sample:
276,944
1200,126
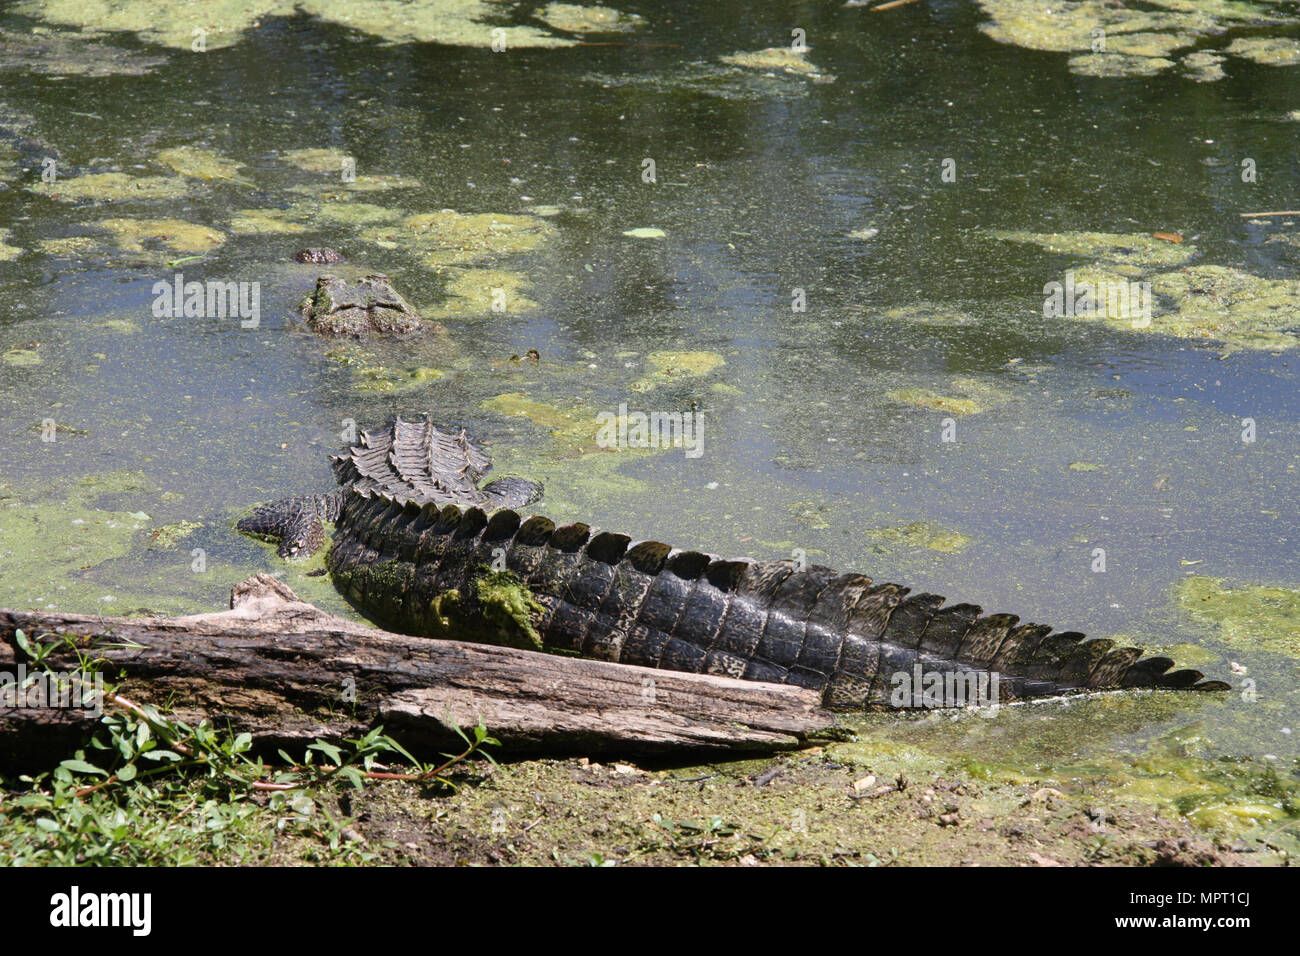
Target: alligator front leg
296,524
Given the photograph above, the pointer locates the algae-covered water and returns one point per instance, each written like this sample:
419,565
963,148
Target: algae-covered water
837,256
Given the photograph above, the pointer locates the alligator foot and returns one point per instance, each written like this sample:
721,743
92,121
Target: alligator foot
297,525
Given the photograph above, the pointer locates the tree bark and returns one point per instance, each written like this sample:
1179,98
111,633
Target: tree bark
289,673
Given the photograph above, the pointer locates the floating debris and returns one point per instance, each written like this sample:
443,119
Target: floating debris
164,538
199,163
7,252
972,397
1204,67
1138,249
1256,617
925,398
319,160
1183,655
1112,39
476,291
59,54
370,377
112,187
268,222
576,18
317,256
780,59
176,234
224,22
669,365
351,213
1149,45
448,237
921,534
120,326
1271,51
379,379
1117,64
574,429
1242,310
21,356
335,189
813,514
47,545
1212,302
71,246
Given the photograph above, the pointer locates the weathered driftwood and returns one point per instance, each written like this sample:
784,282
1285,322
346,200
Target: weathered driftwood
289,673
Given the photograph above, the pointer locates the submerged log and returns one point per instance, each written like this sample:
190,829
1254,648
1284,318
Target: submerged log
289,673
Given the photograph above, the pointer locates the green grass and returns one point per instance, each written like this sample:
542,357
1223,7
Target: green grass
147,789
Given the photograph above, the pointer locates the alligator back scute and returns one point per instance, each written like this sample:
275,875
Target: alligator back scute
528,547
612,638
742,627
702,616
1146,670
1112,668
1050,655
618,609
946,631
502,526
1019,648
871,613
470,551
907,623
984,638
1080,665
438,523
594,575
835,603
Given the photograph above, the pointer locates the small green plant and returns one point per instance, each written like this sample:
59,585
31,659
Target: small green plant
150,789
712,840
1098,848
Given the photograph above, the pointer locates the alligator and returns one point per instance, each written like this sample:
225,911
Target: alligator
318,256
371,305
421,548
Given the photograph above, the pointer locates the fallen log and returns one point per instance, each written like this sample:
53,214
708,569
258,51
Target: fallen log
289,673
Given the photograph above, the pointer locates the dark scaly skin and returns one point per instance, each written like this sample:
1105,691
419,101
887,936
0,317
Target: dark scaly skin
416,543
297,524
319,256
370,305
428,463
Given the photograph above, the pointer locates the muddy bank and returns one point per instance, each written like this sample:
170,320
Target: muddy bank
809,809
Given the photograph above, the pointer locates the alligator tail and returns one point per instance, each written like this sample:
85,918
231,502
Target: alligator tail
601,595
